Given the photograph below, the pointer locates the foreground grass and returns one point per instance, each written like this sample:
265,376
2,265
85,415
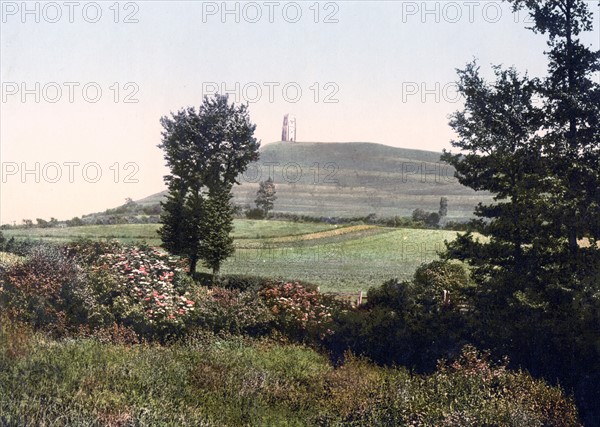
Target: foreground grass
241,382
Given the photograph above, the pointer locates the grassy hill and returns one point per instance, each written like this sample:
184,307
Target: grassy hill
353,178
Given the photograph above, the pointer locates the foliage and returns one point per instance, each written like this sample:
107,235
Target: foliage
300,312
217,243
46,290
431,219
443,285
205,151
233,382
570,94
255,213
98,288
145,295
412,323
537,283
266,196
232,311
243,282
89,252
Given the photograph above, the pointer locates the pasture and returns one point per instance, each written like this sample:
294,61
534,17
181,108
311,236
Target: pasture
337,258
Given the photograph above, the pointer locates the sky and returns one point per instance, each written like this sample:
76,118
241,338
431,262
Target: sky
84,84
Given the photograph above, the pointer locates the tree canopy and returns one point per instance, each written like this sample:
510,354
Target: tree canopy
205,151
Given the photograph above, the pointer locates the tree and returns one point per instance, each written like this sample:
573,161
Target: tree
419,215
265,196
205,151
443,212
497,130
541,162
571,102
431,219
217,243
74,222
42,223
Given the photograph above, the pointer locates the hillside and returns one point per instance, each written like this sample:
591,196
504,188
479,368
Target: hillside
355,178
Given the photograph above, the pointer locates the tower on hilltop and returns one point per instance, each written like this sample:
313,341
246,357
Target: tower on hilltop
288,130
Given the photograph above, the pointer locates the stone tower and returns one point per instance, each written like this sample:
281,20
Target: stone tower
288,130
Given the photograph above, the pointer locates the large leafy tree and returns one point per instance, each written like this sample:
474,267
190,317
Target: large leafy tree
205,151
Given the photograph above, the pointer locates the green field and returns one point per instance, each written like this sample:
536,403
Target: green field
337,258
126,233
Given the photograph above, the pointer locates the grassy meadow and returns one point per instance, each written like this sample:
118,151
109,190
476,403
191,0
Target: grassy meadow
337,258
129,233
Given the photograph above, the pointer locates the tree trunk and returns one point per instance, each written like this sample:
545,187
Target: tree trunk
573,246
215,273
193,264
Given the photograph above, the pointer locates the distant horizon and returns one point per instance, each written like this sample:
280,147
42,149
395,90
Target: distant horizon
83,92
33,217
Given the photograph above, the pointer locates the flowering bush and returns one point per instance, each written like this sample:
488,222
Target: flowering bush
232,311
88,252
44,290
300,312
147,295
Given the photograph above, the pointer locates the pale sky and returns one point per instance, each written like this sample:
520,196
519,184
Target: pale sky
374,72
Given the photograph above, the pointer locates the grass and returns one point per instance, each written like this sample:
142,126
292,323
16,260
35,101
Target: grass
354,262
337,258
127,233
84,382
210,381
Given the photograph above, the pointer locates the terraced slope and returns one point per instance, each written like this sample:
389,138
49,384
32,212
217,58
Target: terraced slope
353,178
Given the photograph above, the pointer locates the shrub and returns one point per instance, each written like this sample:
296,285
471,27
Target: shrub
392,294
243,282
255,213
410,323
232,311
300,312
24,247
147,295
89,252
443,284
46,290
379,333
235,382
478,392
